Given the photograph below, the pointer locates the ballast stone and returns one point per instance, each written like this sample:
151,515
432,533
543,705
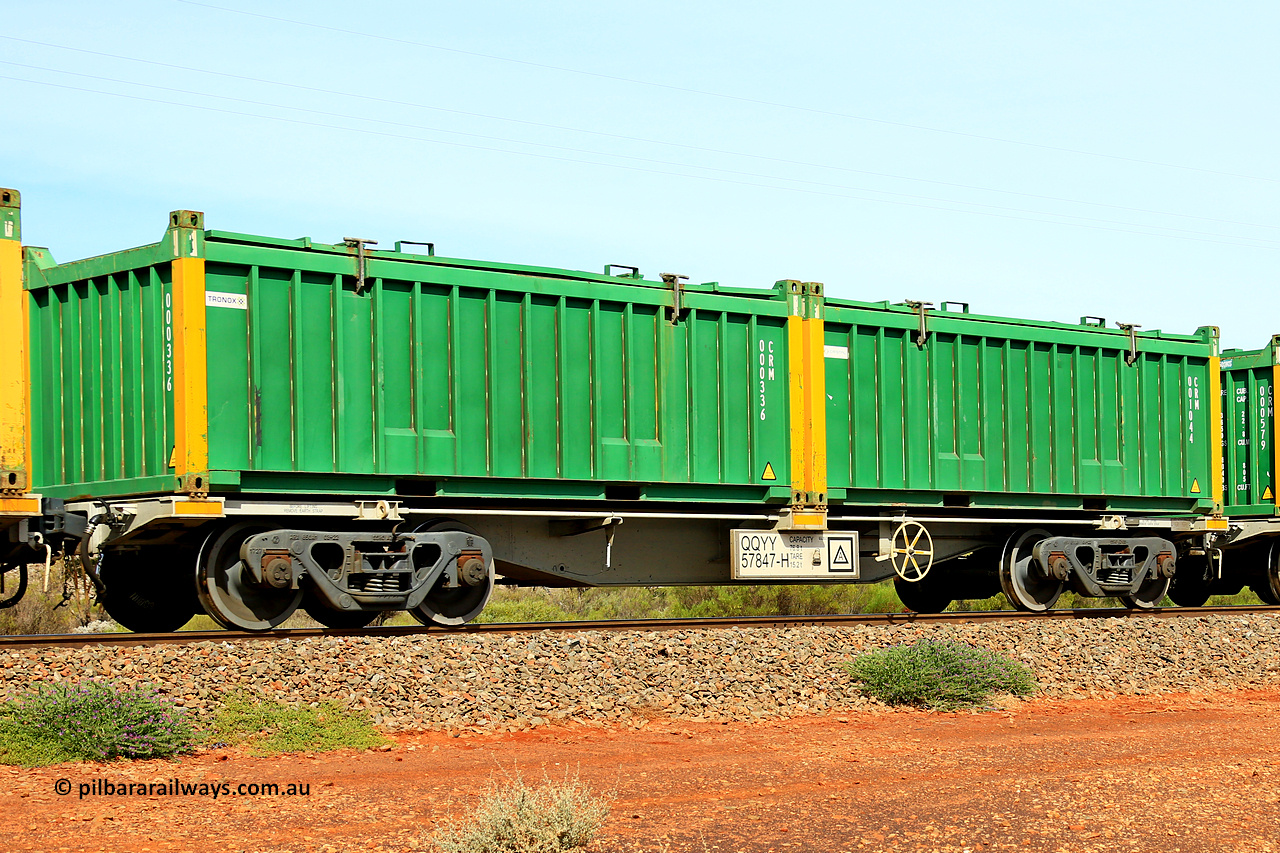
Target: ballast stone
498,683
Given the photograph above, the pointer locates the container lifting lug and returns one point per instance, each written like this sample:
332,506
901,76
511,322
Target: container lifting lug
1132,329
677,294
631,272
431,247
359,244
921,308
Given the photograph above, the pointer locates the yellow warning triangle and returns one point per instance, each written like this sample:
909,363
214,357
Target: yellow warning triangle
768,472
1195,487
1266,495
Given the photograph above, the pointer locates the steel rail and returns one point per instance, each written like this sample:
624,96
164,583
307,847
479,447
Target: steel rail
189,637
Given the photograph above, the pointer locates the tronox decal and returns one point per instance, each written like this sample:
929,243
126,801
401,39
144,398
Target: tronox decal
214,299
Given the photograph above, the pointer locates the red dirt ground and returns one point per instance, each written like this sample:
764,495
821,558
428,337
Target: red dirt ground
1174,773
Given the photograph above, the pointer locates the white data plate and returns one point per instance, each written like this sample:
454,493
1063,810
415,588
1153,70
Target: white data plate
793,555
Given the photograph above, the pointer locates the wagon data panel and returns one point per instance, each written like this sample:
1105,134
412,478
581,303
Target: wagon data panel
794,555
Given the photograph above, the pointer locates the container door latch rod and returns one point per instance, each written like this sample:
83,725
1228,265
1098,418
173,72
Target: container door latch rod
1132,329
359,244
921,308
672,281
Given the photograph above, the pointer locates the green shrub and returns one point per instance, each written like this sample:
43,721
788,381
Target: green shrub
942,675
518,819
523,607
266,726
91,721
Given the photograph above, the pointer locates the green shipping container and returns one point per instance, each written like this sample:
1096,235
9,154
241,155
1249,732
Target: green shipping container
338,369
966,410
1249,430
222,362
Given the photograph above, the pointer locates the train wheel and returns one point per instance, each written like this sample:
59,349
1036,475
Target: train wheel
926,596
1148,596
229,595
318,609
1191,585
150,590
1026,587
13,583
452,605
1268,586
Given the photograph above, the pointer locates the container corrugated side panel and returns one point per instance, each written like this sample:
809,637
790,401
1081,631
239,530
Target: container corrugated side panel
490,382
1013,414
1248,431
102,402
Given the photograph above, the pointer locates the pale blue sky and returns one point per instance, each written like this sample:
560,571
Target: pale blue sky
1044,160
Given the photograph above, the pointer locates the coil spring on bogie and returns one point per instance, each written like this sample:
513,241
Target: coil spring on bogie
1115,576
388,582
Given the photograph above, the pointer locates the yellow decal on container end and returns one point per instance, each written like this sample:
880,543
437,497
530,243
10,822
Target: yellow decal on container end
209,508
1266,494
21,506
1195,486
768,472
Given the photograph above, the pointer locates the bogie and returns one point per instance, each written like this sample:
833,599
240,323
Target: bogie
1025,585
1192,583
228,591
1267,586
929,595
460,593
148,590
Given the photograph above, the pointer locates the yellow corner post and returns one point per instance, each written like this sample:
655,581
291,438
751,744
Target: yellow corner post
807,374
15,403
797,354
1215,432
190,359
816,395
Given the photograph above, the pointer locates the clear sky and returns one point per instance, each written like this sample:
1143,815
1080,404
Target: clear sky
1044,160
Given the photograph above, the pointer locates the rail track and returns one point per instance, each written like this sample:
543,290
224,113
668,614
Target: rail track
188,637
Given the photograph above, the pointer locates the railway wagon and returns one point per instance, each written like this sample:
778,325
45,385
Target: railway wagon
32,528
246,425
1249,552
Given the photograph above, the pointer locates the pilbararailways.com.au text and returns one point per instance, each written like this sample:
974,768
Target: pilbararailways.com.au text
178,788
